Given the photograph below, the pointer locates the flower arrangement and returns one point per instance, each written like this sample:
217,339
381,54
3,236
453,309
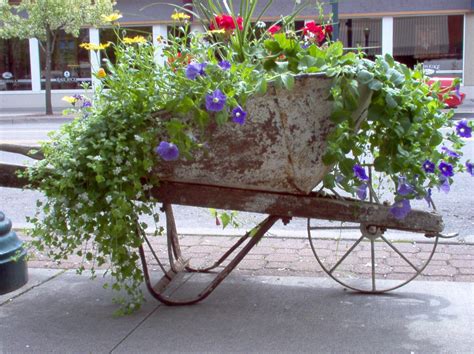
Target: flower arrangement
94,168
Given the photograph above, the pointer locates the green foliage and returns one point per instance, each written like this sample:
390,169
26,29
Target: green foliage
50,15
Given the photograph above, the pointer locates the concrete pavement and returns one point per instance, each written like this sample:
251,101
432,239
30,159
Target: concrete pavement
61,312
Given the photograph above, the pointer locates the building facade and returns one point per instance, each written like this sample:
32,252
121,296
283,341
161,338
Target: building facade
435,33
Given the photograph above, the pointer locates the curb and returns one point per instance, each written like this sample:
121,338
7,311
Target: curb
34,119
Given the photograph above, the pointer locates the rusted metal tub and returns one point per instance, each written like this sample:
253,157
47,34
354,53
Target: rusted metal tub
279,148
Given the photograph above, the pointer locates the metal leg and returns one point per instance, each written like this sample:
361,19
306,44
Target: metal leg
179,266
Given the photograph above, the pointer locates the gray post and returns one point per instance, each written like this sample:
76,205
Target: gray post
335,18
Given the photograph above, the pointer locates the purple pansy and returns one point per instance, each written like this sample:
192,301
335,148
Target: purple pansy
194,69
444,185
224,65
403,187
463,129
469,168
361,191
450,153
78,97
167,151
359,172
238,115
400,209
215,102
446,169
428,166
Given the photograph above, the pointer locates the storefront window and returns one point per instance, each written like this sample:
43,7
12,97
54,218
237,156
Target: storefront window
363,33
70,64
434,41
15,71
110,35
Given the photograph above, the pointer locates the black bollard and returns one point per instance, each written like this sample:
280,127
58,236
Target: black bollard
13,268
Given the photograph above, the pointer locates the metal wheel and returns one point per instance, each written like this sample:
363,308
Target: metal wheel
366,258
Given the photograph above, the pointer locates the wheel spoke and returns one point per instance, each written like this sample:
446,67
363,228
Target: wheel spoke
400,254
372,256
345,255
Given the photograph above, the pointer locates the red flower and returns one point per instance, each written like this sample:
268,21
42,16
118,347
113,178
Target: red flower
328,29
318,32
226,22
274,29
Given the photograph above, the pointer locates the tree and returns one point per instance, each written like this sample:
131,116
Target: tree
44,19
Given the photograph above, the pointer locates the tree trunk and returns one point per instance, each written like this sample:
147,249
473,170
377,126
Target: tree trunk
47,71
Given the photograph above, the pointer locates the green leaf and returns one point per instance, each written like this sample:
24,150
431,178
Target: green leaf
364,77
375,85
272,46
336,49
380,163
221,117
262,86
436,139
306,62
329,181
340,116
329,158
288,81
390,101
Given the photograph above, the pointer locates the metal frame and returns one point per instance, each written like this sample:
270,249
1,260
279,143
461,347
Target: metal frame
179,266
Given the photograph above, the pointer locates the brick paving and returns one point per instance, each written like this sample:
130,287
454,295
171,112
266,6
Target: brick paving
293,256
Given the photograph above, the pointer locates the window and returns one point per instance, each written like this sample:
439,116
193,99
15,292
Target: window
109,35
434,41
70,63
15,71
364,33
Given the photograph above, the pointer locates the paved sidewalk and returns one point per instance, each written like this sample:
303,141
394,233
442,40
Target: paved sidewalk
281,256
61,312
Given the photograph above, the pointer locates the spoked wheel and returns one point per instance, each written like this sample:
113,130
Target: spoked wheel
368,259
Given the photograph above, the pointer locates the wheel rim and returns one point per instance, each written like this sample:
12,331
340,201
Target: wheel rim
373,235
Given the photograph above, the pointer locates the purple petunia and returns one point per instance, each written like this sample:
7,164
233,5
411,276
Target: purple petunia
444,185
86,104
428,166
463,129
446,169
403,187
359,172
224,65
194,69
361,191
167,151
450,153
238,115
400,209
469,168
215,102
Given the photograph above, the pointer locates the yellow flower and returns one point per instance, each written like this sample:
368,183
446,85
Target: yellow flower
92,46
217,31
180,16
136,39
101,73
70,99
112,17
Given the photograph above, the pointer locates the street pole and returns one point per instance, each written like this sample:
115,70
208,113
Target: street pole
335,19
13,268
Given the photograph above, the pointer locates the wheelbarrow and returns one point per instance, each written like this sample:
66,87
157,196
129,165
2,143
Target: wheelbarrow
271,166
